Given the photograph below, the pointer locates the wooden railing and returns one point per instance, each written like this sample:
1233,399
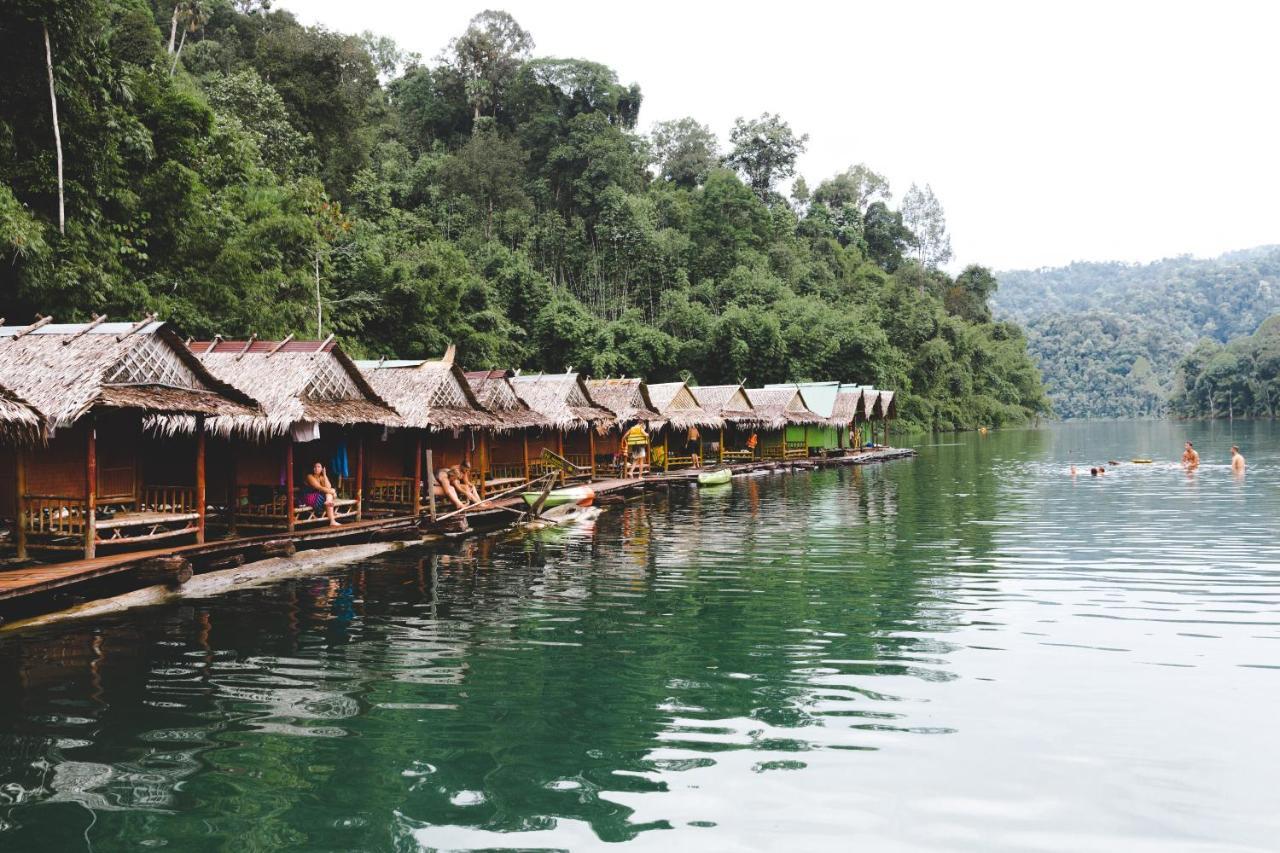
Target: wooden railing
177,499
738,455
56,515
582,460
390,491
506,470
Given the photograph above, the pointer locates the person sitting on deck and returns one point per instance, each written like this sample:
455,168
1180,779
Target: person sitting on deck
320,493
456,484
635,444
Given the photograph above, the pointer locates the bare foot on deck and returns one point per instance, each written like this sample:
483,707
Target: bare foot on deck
334,524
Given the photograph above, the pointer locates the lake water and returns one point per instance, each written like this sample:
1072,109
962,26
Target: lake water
970,650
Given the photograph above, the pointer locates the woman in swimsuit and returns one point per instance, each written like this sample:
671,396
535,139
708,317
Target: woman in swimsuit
320,493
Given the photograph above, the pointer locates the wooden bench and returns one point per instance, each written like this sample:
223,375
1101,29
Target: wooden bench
738,455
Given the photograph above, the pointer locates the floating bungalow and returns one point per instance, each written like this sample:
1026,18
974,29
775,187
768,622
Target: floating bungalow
629,401
442,424
567,444
845,415
886,410
100,479
507,461
684,424
820,397
731,404
316,407
780,409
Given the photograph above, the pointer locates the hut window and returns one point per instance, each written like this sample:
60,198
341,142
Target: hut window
331,382
153,362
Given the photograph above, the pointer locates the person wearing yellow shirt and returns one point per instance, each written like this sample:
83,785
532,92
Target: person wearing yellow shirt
636,442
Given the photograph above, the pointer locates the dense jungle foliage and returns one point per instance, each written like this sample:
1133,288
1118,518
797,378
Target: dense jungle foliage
1241,378
1109,337
240,173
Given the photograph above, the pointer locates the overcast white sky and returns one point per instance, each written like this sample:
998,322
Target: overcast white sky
1050,131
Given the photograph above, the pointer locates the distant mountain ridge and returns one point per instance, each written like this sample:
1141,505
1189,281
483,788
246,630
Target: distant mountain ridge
1108,335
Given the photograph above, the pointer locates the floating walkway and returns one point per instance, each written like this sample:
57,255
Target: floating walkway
37,588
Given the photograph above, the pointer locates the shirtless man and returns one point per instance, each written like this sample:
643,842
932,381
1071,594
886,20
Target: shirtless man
456,484
1190,459
1237,461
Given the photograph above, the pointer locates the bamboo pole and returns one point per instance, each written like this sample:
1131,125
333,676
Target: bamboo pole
431,486
720,452
91,490
233,502
484,463
20,500
290,511
524,440
200,480
560,451
591,436
360,477
417,474
666,449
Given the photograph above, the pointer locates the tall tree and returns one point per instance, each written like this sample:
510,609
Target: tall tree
923,216
765,150
488,55
57,130
857,187
685,151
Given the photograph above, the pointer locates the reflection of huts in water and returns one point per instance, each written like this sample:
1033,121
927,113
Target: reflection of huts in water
568,445
316,408
101,481
628,400
682,439
439,413
508,462
731,404
781,408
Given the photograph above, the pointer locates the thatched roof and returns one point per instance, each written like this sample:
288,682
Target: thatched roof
428,394
779,407
870,404
295,381
493,389
819,397
847,407
729,402
563,399
20,423
679,407
64,370
628,399
886,407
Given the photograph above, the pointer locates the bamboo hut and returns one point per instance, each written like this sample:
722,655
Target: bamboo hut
740,421
443,424
508,458
820,397
316,407
780,408
575,419
844,415
629,401
684,422
101,480
887,409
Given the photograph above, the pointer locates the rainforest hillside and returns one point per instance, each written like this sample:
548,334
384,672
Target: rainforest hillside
219,163
1109,337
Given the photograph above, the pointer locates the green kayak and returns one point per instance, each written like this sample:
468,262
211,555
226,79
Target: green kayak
580,495
715,478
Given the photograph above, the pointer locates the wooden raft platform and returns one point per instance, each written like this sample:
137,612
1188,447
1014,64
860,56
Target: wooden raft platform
21,582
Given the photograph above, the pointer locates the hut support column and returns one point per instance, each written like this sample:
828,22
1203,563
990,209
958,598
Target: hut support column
720,447
200,480
233,497
290,511
524,441
666,449
360,477
20,500
484,464
431,485
591,436
806,439
416,500
91,490
560,450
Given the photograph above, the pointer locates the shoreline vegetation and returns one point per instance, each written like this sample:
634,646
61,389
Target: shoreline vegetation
238,173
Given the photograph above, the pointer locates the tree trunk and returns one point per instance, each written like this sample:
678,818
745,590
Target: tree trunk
173,68
173,28
319,304
57,131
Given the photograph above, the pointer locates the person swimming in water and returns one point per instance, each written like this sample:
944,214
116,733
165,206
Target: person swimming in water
1190,459
1237,461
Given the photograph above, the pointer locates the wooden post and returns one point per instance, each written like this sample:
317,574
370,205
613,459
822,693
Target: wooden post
666,449
806,439
560,450
20,500
91,489
200,480
417,474
233,498
720,453
591,436
431,486
484,464
360,476
524,439
291,512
